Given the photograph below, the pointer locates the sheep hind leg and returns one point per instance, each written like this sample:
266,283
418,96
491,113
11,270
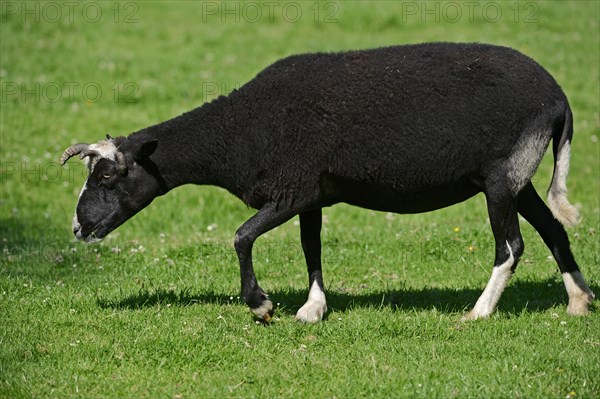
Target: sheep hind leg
535,211
310,232
267,218
509,247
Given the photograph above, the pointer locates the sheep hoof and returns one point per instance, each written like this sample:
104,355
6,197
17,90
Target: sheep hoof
264,312
471,315
579,304
311,312
266,318
468,316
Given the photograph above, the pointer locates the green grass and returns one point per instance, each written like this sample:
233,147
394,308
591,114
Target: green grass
154,311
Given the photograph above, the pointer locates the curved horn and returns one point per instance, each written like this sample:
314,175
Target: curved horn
71,151
121,162
87,153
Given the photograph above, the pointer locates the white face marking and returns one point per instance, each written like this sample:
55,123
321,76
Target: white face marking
562,210
316,306
105,149
580,295
76,225
491,294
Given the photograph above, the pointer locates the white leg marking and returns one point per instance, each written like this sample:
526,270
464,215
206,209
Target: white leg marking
263,312
491,294
316,306
580,295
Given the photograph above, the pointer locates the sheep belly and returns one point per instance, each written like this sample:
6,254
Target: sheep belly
397,198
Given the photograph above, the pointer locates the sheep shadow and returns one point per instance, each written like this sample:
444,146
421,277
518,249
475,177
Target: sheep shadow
519,296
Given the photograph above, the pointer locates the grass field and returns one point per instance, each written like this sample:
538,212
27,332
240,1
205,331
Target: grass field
153,311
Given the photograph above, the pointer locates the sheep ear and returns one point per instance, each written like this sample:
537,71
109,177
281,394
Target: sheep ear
145,150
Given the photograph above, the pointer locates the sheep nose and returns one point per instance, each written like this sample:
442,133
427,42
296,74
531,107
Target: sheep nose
76,225
76,228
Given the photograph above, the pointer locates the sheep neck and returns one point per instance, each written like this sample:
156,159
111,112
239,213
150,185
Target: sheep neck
198,147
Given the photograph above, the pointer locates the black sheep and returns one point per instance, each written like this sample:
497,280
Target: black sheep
404,129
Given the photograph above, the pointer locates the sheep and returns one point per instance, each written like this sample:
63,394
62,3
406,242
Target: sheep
402,129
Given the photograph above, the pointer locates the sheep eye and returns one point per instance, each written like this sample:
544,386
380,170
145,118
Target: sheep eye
106,176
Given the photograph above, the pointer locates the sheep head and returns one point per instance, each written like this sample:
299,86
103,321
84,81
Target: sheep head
122,181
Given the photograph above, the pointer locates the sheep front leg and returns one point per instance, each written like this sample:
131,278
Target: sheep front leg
267,218
310,232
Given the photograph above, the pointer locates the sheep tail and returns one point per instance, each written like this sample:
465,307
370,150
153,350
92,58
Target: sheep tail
562,210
